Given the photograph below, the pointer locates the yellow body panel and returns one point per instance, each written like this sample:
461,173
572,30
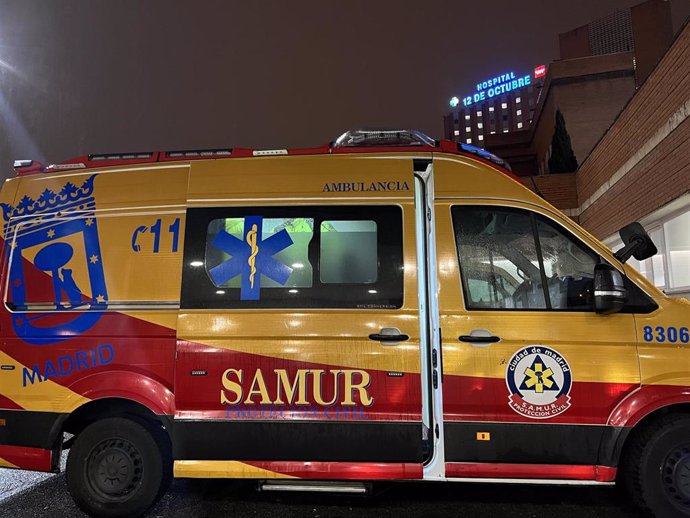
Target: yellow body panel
47,396
223,469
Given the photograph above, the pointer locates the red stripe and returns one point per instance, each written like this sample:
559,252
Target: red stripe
530,471
640,403
35,459
7,404
343,470
478,399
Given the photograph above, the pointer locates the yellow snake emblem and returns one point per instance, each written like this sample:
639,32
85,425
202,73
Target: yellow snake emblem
251,261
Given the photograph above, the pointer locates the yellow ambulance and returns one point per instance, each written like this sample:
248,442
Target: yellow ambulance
384,307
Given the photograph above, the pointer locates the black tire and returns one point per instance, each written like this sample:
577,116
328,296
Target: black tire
118,468
656,467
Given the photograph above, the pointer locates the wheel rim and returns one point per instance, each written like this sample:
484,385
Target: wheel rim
114,469
675,474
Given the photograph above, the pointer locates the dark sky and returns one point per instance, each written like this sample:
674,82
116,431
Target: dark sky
79,76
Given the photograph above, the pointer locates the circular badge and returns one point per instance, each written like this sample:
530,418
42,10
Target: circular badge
539,380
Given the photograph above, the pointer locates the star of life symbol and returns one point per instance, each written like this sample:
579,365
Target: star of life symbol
539,381
43,238
251,257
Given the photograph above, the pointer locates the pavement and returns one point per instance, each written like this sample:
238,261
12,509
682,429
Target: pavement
48,497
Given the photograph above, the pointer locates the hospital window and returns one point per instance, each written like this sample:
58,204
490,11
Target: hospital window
456,132
669,269
519,125
504,105
517,100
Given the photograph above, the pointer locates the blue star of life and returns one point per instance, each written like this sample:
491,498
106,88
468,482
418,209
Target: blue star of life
251,257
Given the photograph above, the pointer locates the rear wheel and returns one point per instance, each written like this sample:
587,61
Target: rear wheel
116,468
657,467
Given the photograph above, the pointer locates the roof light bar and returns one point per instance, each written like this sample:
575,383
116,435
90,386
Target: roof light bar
483,153
198,153
383,137
120,156
60,167
269,152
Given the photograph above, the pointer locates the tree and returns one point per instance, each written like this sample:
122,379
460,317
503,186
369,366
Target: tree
562,157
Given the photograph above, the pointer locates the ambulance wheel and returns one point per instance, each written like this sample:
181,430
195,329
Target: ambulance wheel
117,468
657,467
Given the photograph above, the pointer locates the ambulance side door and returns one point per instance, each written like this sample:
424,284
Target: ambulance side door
532,373
284,303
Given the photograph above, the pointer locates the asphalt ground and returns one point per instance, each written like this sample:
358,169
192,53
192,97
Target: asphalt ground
216,498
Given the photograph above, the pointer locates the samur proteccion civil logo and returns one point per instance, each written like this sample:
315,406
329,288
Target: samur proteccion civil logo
251,257
539,380
56,236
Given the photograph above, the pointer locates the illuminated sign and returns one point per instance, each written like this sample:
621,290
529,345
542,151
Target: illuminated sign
499,85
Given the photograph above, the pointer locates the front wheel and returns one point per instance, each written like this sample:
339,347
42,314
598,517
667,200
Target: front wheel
116,468
657,467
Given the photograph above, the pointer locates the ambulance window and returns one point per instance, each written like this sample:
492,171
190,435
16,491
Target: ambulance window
348,252
514,259
293,257
498,259
569,267
298,230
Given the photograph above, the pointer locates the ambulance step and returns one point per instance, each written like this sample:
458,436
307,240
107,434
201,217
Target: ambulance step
357,488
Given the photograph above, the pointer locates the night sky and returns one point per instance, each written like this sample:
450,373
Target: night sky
96,76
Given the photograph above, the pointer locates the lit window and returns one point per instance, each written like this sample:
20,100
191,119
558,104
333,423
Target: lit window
678,248
468,129
479,114
456,132
480,125
504,105
481,137
467,117
519,112
519,125
469,141
505,131
493,132
491,108
517,100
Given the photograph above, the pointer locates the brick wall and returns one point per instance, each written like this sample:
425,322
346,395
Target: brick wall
652,134
558,189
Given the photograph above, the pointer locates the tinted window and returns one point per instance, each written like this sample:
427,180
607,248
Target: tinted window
293,257
498,257
569,267
348,252
514,259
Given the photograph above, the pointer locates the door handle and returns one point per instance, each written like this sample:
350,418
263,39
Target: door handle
480,338
389,336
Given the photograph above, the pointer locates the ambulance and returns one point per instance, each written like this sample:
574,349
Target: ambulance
386,307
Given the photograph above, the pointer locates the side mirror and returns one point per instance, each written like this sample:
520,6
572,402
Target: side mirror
637,243
610,293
